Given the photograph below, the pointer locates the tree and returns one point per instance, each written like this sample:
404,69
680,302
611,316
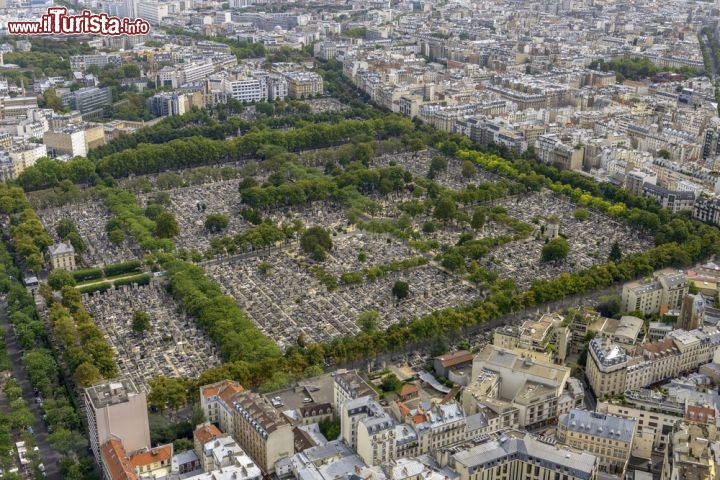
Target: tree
615,253
140,322
166,226
390,383
316,242
469,170
65,227
609,305
67,442
87,374
453,261
401,289
478,218
581,214
58,278
445,208
368,321
555,250
330,427
216,222
168,392
77,242
116,236
437,164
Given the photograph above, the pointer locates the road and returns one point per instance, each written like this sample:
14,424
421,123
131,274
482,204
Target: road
49,457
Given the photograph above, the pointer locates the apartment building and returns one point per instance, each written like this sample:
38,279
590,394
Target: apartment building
520,456
62,255
260,430
349,385
551,150
303,84
16,107
117,410
544,335
74,140
153,12
664,292
707,210
82,62
531,385
610,371
657,412
608,437
606,368
89,100
216,403
674,201
25,155
691,453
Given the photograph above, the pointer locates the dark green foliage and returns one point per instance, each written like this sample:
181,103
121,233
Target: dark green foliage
556,250
124,267
316,242
216,222
87,274
401,289
231,330
615,253
140,322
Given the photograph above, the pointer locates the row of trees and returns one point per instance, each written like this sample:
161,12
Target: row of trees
61,417
236,337
196,151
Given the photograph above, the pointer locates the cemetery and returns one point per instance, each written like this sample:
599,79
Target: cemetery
171,346
90,219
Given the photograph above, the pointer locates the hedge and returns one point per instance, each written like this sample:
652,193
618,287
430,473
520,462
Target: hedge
87,274
124,267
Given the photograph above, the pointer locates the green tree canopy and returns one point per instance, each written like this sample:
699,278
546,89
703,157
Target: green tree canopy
58,278
216,222
401,289
556,250
166,226
140,322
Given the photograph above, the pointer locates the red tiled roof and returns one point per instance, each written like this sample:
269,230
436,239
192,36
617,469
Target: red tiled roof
699,414
205,433
455,358
155,455
116,461
407,390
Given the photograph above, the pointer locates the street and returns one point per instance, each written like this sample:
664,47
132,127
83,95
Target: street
49,457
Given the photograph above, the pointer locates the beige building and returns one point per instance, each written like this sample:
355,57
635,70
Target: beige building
262,432
304,84
117,410
215,401
691,454
546,335
664,292
611,371
520,456
62,255
74,140
25,156
533,386
608,437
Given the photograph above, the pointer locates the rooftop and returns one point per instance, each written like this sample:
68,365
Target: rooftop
112,393
598,425
512,445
